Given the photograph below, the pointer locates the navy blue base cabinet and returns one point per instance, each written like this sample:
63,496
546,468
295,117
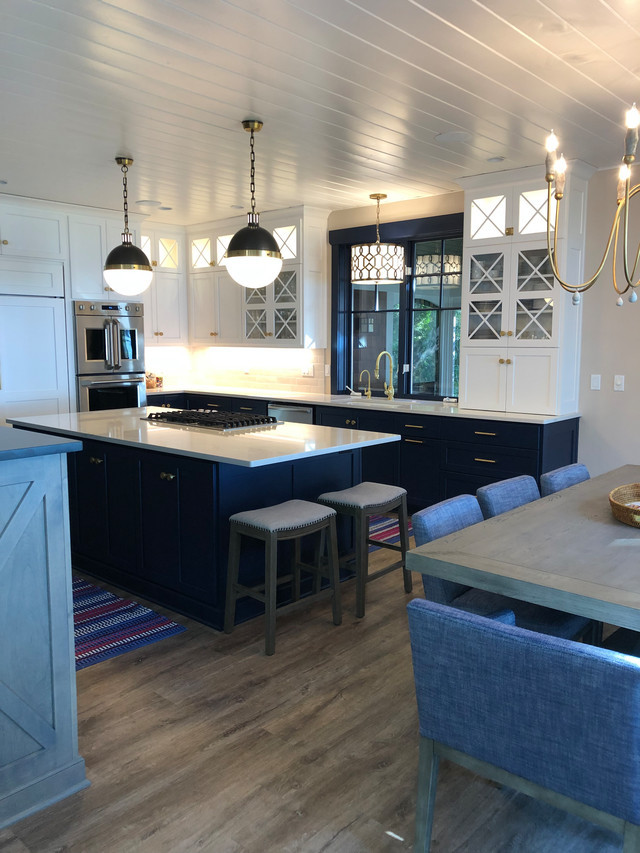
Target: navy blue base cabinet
157,524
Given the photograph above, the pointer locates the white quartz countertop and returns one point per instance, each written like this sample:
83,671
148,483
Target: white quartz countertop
248,447
425,407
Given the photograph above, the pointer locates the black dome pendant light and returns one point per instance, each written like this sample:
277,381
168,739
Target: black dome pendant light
253,258
127,269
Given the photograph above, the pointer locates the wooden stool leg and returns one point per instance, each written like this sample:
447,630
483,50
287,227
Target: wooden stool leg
233,566
317,559
270,588
362,560
403,523
333,567
296,570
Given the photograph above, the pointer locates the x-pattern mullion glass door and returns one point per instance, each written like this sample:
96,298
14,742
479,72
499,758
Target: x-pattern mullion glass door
272,313
486,296
532,312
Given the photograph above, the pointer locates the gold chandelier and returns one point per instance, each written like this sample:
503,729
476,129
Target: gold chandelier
556,175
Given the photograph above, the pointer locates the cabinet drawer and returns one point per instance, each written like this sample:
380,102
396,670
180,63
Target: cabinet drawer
489,461
489,433
418,427
210,401
256,407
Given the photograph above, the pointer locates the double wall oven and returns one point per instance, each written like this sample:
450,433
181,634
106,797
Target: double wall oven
109,355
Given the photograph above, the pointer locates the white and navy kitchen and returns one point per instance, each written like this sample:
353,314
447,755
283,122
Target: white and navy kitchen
318,433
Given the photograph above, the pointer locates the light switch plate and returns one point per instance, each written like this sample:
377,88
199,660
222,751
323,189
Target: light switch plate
595,381
618,382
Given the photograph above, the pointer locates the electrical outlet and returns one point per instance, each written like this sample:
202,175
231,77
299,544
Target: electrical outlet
327,370
307,370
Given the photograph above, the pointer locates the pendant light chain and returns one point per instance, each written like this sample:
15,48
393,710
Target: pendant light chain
125,197
252,183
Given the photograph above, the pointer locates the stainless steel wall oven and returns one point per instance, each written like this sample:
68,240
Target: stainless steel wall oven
109,355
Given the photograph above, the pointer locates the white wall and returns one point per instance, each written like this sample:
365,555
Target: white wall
610,425
390,211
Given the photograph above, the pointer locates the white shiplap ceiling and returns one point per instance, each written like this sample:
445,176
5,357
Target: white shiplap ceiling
353,96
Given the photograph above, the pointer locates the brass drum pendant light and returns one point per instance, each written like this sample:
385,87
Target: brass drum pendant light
127,269
253,258
377,263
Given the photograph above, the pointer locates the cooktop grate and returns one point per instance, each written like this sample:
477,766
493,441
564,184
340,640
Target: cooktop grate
211,419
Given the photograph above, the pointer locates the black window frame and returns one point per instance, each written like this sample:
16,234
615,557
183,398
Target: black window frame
406,232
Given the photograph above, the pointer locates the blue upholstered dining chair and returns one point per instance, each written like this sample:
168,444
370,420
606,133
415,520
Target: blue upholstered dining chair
562,478
500,497
459,512
557,720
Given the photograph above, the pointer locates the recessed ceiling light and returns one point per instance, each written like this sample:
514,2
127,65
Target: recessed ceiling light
4,182
149,202
453,136
163,207
237,207
497,159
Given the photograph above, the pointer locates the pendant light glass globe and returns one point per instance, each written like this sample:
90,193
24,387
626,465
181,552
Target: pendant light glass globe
253,258
127,269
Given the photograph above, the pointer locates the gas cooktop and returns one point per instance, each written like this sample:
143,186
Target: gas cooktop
211,419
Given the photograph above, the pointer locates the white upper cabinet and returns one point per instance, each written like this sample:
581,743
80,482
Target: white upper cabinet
28,232
520,337
290,312
166,309
91,238
215,309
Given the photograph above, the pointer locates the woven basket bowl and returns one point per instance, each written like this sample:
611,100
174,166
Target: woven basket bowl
620,497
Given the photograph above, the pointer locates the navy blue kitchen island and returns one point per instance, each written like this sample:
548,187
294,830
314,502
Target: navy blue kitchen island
150,503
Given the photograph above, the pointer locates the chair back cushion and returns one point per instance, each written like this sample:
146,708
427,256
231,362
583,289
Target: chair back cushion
500,497
562,478
562,714
439,520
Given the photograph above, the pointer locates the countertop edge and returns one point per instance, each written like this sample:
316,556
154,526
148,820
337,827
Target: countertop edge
399,405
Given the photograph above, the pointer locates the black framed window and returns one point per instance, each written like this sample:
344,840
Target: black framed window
416,322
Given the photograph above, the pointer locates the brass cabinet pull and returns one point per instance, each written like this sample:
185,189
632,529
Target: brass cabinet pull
413,441
211,405
213,334
501,361
508,361
478,432
246,408
96,460
164,475
414,426
493,461
158,333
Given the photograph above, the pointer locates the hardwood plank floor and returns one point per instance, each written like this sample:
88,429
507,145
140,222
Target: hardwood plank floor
201,743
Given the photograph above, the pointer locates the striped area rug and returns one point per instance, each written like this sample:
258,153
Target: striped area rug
385,529
106,626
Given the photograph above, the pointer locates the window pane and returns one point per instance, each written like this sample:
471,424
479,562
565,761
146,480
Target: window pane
452,274
364,297
372,333
435,361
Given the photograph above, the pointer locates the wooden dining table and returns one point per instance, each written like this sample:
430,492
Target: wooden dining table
565,551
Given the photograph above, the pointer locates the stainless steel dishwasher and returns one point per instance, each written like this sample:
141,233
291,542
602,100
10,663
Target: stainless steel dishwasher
297,414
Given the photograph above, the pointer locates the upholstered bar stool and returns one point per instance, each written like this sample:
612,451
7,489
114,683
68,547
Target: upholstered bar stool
290,520
361,502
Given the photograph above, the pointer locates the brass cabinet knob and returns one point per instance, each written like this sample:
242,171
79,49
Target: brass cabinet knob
501,361
164,475
508,361
213,334
5,242
269,334
154,263
502,333
509,334
96,460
